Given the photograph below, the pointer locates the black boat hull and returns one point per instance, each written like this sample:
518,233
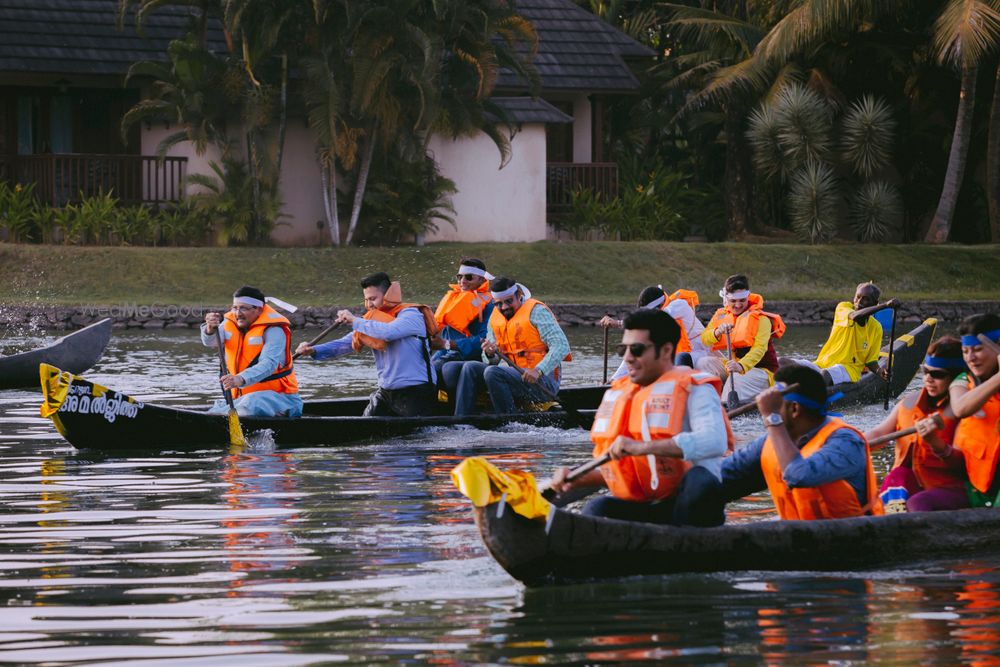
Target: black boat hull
75,352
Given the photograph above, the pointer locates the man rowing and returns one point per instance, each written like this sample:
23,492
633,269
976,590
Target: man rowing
665,431
462,317
681,306
399,336
743,325
814,465
257,344
855,340
526,332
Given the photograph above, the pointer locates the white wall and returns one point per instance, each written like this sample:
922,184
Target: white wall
196,164
301,190
494,204
583,137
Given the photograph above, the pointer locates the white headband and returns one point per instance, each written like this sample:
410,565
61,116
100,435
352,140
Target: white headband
248,301
511,292
475,270
656,303
742,294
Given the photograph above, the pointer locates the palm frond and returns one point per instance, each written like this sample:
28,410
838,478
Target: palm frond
965,31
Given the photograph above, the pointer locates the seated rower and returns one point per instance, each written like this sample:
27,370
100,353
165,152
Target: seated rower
399,336
462,317
257,344
527,333
752,332
666,433
681,306
855,340
975,399
815,465
927,474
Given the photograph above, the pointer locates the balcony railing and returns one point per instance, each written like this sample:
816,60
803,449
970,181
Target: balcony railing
63,178
562,178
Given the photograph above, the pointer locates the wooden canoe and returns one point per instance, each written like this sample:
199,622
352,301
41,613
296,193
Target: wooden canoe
74,352
578,547
90,416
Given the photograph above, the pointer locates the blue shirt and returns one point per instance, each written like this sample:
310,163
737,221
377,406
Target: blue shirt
271,355
468,347
703,438
842,457
405,360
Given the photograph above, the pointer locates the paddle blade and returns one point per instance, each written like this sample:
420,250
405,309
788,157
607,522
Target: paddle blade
236,437
483,483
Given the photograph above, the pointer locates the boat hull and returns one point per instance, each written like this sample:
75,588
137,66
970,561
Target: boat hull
75,352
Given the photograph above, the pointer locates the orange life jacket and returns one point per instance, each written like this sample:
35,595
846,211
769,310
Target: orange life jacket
518,338
834,500
744,331
243,349
360,340
931,470
459,308
684,344
978,436
653,412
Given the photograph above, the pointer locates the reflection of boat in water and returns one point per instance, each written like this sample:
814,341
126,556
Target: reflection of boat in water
571,546
75,352
90,416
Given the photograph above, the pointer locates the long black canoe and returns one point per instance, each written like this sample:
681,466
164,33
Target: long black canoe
75,352
575,547
90,416
908,353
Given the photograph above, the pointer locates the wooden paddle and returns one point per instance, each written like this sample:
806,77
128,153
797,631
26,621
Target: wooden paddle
882,439
871,310
605,380
888,365
581,421
322,334
236,437
732,398
752,405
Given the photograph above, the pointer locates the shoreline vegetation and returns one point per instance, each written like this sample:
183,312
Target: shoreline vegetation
557,272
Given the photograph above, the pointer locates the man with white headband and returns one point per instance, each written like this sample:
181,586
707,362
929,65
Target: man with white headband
527,333
462,316
257,343
815,465
743,323
855,340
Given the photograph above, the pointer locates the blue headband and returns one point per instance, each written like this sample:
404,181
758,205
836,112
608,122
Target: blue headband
818,407
973,340
944,362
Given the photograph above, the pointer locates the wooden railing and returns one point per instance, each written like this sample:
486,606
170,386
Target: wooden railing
562,178
63,178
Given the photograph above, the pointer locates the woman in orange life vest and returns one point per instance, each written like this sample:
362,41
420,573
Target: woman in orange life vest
928,473
257,341
463,317
681,306
752,331
975,399
527,332
814,465
665,430
399,336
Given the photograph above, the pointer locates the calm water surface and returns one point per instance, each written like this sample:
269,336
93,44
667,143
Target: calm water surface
367,554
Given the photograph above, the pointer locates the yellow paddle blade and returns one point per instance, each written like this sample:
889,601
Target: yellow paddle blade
55,388
236,437
483,483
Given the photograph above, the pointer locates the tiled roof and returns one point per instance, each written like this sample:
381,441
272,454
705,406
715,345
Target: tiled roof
528,110
577,50
82,36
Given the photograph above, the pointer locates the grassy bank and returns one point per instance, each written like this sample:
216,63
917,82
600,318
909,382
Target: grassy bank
579,272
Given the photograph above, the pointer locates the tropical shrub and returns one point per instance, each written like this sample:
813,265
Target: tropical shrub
19,211
228,204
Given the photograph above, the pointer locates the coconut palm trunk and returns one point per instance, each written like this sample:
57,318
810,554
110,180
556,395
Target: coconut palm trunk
941,225
328,174
993,162
739,176
359,189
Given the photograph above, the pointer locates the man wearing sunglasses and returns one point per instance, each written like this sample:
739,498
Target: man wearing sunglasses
665,431
462,317
257,344
527,333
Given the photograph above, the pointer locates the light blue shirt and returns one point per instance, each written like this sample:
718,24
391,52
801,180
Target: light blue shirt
703,439
405,360
271,355
551,334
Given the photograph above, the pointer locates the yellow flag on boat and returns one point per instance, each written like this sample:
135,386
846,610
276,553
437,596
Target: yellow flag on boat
55,387
483,483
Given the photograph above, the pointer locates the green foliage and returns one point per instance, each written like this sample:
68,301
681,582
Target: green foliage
867,135
405,199
18,211
765,139
227,202
813,198
876,211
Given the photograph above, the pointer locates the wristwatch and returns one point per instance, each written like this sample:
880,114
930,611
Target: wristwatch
773,419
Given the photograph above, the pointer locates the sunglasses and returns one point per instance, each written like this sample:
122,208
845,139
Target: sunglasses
466,276
937,373
637,349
